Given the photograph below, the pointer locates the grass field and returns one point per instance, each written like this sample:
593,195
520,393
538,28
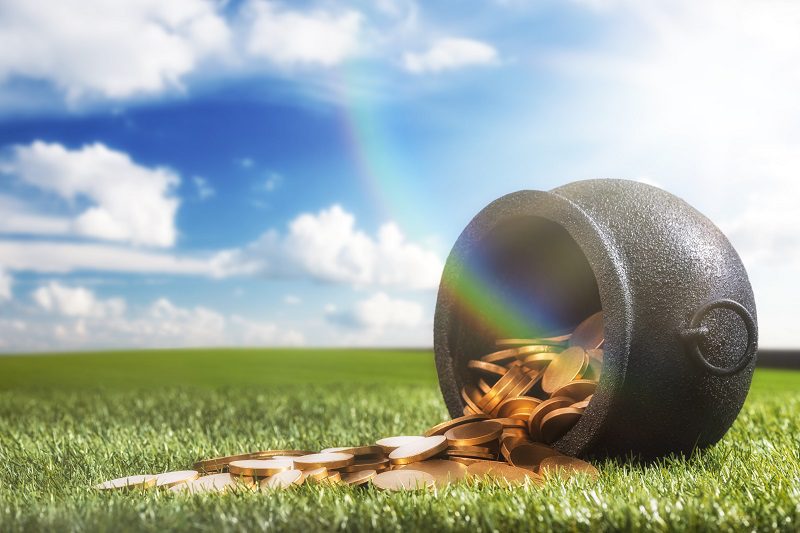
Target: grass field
67,422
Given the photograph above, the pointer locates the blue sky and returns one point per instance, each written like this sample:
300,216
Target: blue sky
260,173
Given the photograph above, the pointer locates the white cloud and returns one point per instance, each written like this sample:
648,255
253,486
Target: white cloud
68,318
378,312
289,38
6,282
204,190
114,49
128,202
76,302
450,53
291,299
327,247
63,257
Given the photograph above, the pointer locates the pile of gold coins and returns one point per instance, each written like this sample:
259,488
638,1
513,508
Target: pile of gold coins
526,396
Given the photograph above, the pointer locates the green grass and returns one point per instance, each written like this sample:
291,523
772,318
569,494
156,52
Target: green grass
67,422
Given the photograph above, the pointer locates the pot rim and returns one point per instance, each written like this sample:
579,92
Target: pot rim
615,298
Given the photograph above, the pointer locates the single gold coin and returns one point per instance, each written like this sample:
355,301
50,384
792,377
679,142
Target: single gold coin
358,451
334,478
452,454
130,482
583,404
593,369
566,466
376,463
488,368
283,480
389,444
466,461
557,422
214,483
535,420
517,407
564,368
530,455
442,470
577,390
474,433
361,477
315,474
419,450
170,479
440,429
405,479
510,423
589,334
259,467
328,460
503,473
473,449
538,361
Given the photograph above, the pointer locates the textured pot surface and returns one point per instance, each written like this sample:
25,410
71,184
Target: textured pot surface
680,322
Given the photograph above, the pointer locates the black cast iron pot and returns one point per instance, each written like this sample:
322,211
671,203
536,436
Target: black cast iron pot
680,320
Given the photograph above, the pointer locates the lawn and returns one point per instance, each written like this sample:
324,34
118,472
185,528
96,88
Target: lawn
73,420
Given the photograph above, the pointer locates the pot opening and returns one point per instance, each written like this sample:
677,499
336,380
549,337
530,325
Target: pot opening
526,278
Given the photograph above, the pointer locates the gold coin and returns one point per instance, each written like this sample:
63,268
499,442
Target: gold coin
359,478
442,470
405,479
471,397
489,368
389,444
378,463
577,390
466,461
213,483
524,385
474,433
557,422
508,443
333,478
440,429
564,368
259,467
583,404
517,407
358,451
130,482
218,464
328,460
502,473
498,394
519,433
535,420
501,387
566,466
468,411
483,386
509,423
316,474
452,454
593,369
419,450
538,361
170,479
472,449
589,334
529,455
596,354
283,480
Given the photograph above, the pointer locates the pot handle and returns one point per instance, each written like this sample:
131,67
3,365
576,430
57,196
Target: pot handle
692,334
